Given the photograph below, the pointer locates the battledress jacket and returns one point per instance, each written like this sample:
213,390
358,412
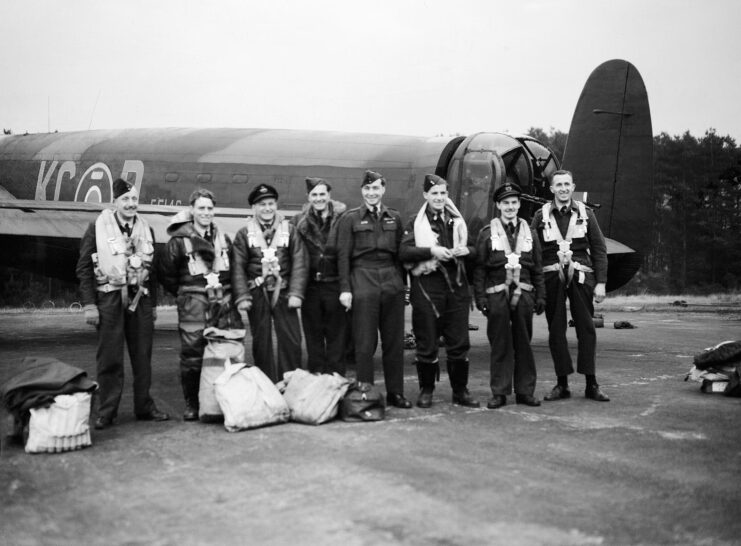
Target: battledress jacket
247,264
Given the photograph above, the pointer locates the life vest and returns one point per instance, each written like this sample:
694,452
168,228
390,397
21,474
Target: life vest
121,260
270,278
577,229
500,243
197,265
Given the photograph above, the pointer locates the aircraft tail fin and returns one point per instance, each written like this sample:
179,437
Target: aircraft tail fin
610,152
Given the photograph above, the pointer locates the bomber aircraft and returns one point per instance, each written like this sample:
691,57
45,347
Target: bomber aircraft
52,185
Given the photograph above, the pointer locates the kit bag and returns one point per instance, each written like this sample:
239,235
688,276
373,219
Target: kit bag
223,346
248,399
313,398
63,426
362,402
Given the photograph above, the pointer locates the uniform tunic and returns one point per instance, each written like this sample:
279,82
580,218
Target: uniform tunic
369,267
509,330
246,269
591,251
440,299
117,325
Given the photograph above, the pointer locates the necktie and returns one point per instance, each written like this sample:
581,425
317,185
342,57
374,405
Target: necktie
126,230
267,233
511,229
374,212
563,210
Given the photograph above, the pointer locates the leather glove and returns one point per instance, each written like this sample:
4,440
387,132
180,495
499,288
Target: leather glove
539,306
244,305
92,316
482,305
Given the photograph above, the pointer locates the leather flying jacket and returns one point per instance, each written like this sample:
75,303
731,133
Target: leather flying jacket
320,241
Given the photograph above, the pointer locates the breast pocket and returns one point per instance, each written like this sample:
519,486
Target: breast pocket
363,234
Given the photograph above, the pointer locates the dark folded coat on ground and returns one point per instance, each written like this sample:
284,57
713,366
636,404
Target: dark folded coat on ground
41,380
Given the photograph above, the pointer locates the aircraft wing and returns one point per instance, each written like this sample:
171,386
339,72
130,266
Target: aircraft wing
69,219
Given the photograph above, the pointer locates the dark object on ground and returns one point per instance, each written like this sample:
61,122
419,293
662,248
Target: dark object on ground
726,352
41,380
623,325
473,327
679,303
363,402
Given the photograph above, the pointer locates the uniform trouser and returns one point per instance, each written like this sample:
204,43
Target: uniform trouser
192,309
582,310
509,332
263,316
325,323
378,304
136,329
452,323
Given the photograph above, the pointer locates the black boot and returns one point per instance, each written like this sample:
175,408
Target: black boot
191,381
458,374
427,372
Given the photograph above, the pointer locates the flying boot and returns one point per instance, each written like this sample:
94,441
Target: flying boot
458,374
427,372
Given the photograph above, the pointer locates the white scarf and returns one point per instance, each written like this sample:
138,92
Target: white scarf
425,237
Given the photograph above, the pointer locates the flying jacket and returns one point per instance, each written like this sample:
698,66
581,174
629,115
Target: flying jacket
320,241
174,269
589,249
247,263
491,270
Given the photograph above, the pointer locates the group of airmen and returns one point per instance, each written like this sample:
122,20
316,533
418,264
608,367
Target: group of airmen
347,271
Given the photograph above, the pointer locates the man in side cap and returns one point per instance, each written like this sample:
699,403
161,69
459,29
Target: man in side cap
119,298
433,248
575,266
508,286
371,283
269,280
323,317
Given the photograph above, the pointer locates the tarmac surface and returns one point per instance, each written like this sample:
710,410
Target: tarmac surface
659,464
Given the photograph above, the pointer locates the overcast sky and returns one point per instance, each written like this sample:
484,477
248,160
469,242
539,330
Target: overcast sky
421,67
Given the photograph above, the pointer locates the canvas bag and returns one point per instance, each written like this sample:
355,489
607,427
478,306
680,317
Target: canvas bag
63,426
223,346
363,402
313,398
248,399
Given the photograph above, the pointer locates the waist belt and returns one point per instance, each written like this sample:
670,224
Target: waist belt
259,282
108,287
502,287
200,289
371,263
320,277
571,266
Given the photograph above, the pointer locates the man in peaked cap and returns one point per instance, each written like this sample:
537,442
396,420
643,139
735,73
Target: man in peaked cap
433,248
371,283
575,267
268,281
508,286
119,296
323,317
